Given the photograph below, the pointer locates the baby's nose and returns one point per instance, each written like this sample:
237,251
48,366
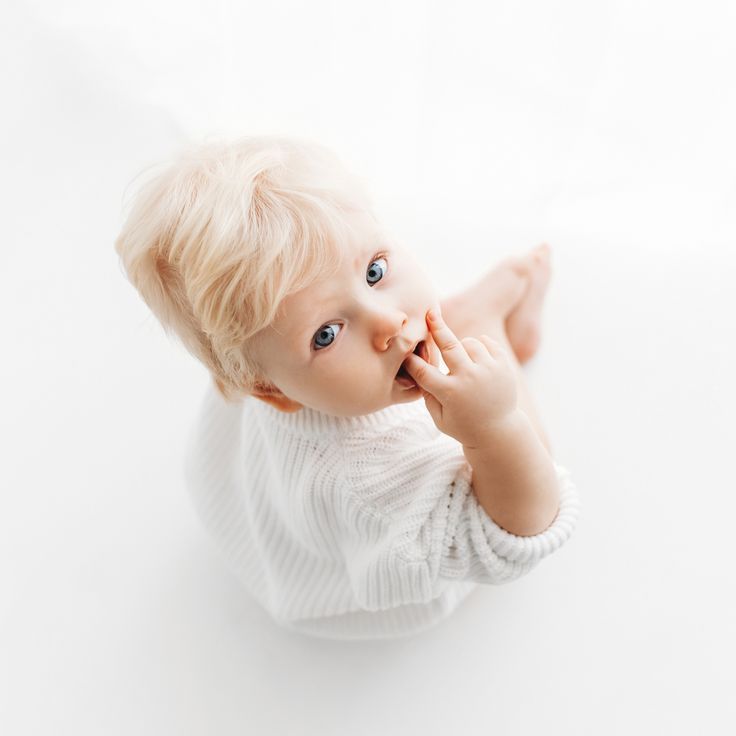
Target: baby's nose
388,324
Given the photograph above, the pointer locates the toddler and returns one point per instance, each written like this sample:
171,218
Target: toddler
366,455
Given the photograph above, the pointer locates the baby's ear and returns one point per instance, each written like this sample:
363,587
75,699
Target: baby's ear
273,396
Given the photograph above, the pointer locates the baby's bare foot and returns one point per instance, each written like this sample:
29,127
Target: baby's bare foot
503,288
484,307
524,323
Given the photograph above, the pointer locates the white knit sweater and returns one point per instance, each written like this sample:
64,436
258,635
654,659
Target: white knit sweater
352,528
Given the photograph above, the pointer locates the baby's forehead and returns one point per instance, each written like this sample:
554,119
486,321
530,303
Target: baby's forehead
326,288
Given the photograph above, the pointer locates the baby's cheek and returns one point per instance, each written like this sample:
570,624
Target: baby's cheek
341,381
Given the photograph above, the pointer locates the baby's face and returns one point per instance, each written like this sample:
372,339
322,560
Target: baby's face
337,345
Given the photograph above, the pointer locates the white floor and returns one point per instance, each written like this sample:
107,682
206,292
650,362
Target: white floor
606,129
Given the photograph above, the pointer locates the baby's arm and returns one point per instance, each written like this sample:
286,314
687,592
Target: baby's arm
514,477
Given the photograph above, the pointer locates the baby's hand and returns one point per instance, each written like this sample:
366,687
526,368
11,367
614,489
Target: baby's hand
479,392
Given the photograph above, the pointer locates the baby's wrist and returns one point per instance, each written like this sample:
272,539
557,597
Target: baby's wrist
498,430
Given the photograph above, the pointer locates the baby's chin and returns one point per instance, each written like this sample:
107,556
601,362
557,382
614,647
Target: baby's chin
361,409
407,396
363,406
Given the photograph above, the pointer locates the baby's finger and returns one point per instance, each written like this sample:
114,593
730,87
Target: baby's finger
476,349
453,353
495,348
427,377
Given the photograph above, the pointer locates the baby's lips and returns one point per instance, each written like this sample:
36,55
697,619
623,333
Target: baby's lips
413,360
433,350
409,362
404,377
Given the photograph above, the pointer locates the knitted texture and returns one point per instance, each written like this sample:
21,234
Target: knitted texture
352,528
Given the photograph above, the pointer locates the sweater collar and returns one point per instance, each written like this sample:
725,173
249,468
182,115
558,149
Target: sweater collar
308,421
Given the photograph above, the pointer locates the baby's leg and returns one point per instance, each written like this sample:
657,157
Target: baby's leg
510,297
522,328
524,323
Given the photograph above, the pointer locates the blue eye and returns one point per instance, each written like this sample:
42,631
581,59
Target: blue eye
376,270
325,336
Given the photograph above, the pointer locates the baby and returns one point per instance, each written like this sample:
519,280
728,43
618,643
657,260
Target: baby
366,455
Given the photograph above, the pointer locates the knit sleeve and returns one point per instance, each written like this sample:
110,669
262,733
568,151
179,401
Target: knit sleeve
415,524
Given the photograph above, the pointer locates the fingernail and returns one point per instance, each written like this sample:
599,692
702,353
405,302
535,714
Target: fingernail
432,315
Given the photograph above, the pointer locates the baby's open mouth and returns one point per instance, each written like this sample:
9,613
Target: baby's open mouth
402,377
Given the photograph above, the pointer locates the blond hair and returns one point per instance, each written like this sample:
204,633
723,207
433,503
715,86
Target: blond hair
216,239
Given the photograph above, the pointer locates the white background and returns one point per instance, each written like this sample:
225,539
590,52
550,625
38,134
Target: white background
605,128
